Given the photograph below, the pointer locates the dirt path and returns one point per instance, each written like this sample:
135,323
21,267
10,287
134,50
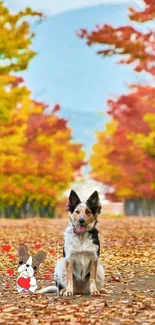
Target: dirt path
128,253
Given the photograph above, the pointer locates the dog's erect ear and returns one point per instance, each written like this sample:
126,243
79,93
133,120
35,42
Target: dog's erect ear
23,252
93,199
93,203
73,201
40,257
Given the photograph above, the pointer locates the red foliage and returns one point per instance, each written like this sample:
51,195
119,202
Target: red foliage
138,47
56,108
147,14
137,165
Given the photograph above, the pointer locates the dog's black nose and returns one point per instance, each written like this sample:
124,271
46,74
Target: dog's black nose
81,221
27,265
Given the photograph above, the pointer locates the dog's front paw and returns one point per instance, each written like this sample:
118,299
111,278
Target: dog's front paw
67,292
94,292
93,289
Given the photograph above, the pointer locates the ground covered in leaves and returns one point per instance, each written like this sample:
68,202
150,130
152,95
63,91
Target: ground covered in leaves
128,253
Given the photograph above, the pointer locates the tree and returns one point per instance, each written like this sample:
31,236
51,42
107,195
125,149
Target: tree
16,39
38,159
123,156
135,46
127,149
15,55
38,156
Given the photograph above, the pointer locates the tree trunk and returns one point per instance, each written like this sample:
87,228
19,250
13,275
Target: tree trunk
131,207
152,208
51,213
139,207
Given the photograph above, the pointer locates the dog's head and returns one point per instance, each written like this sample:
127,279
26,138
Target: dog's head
83,216
28,265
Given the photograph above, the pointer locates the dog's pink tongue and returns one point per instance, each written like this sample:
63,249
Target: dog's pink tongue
82,228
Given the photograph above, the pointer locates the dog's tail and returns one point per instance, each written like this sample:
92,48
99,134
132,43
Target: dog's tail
50,289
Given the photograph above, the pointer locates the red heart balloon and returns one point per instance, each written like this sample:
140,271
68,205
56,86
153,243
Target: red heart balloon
24,282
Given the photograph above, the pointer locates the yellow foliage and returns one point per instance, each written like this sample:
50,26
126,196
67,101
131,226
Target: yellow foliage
101,169
125,192
35,166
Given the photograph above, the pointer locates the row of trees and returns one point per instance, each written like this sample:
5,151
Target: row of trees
38,156
124,155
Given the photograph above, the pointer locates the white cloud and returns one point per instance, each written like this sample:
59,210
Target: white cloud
56,6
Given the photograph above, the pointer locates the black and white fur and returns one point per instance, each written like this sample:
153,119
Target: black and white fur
81,249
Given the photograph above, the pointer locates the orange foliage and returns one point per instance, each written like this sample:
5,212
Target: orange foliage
124,156
38,156
135,46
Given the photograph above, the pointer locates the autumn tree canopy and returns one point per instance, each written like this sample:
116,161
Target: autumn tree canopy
39,158
16,39
15,54
127,146
132,44
124,156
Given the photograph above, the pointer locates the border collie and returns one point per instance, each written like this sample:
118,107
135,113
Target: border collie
79,271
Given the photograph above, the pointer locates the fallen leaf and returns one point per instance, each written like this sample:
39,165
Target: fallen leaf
116,278
11,257
52,251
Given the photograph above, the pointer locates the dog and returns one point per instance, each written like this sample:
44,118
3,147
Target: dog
28,266
79,270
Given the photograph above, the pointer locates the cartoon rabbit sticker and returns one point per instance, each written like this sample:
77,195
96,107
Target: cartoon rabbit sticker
28,265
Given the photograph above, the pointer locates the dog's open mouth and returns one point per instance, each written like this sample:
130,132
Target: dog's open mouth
81,229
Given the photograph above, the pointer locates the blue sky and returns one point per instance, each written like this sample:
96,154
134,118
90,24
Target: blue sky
57,6
68,72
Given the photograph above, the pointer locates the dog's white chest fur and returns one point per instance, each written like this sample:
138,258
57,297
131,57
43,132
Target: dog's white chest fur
80,252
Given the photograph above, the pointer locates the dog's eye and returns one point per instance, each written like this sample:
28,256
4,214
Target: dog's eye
20,262
34,268
77,211
87,212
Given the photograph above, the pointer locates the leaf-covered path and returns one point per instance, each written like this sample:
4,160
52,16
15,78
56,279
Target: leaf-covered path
128,253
